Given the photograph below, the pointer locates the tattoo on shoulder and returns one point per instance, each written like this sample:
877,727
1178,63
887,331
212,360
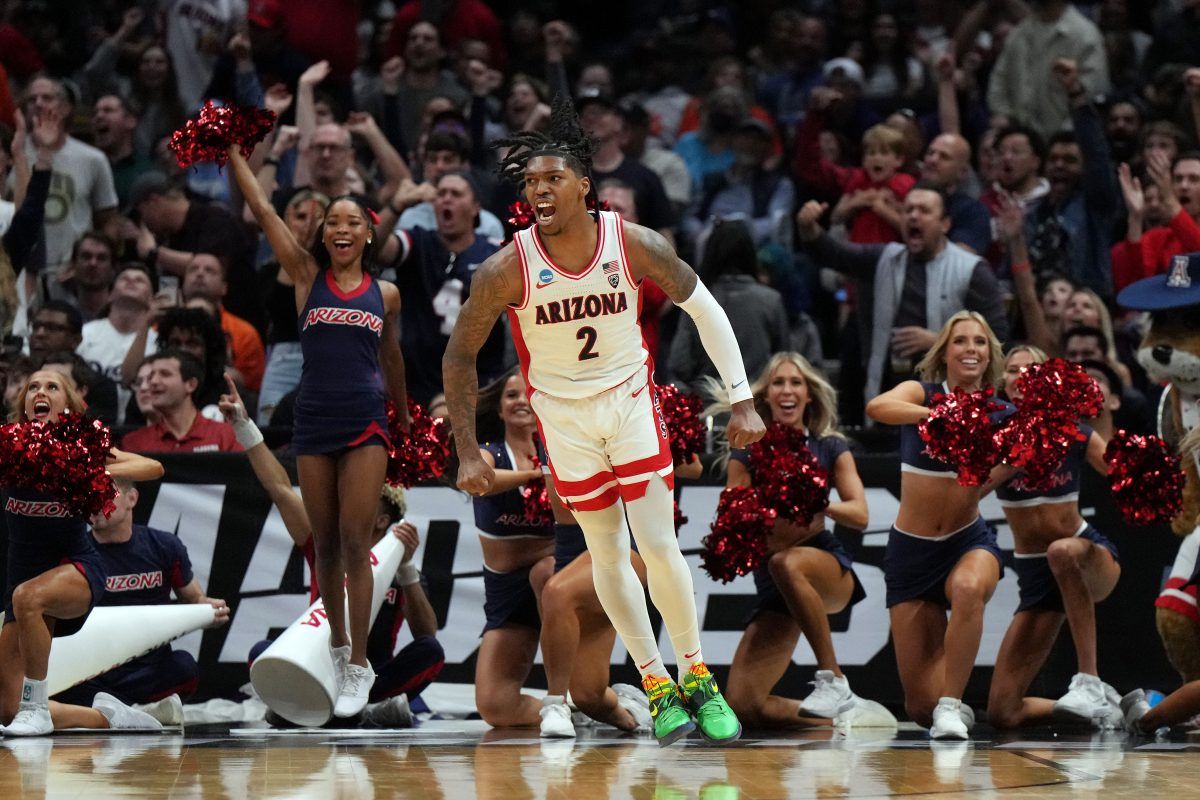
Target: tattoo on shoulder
662,264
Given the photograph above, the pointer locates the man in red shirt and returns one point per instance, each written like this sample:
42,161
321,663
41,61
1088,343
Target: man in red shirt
174,376
206,277
1142,255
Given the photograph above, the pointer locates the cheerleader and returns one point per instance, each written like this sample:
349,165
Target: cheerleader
55,578
1064,567
350,342
941,556
807,574
515,552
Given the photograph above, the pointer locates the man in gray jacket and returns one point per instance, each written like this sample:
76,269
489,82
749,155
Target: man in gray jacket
910,287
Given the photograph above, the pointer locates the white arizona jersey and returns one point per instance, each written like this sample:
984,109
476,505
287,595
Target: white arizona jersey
578,334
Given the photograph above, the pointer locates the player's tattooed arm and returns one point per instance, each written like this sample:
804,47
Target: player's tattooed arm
652,256
495,285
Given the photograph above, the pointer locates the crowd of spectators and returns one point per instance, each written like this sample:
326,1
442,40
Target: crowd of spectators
844,176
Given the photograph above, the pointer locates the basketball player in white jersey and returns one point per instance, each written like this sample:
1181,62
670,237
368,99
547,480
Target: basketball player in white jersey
570,285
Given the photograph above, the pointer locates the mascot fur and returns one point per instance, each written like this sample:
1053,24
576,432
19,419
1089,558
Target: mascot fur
1170,353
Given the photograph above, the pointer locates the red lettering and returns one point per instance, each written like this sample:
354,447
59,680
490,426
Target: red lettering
313,621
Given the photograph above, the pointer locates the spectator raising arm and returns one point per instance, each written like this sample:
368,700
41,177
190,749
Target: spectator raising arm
306,114
392,169
1011,223
856,260
949,115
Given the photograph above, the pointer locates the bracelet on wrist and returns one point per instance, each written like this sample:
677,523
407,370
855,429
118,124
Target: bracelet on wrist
1021,266
272,160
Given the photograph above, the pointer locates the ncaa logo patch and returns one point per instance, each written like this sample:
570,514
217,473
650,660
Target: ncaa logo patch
1178,278
545,276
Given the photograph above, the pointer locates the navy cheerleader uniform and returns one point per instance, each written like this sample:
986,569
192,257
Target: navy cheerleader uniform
1037,587
827,449
916,567
41,536
143,571
340,402
508,597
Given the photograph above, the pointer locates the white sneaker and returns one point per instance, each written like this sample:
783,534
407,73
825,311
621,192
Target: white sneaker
168,711
32,719
830,696
123,717
341,658
393,712
949,720
1085,701
634,700
1134,706
556,718
356,687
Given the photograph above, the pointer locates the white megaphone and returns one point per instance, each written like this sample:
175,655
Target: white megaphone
113,635
294,675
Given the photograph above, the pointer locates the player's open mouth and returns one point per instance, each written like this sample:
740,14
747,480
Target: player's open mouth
545,212
41,409
342,245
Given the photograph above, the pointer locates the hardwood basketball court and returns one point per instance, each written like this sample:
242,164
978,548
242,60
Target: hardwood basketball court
462,759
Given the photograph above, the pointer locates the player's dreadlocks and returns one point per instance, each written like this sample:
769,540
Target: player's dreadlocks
564,139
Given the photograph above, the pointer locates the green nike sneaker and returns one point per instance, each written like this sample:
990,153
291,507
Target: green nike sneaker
716,719
671,719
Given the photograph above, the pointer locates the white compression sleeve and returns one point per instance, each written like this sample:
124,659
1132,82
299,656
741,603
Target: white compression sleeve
716,334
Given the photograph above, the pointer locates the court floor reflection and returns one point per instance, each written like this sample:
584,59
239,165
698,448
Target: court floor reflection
454,759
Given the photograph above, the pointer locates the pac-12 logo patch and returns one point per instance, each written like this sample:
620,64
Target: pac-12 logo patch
612,272
545,278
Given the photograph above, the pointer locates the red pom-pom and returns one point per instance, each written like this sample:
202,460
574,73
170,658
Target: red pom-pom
421,453
680,519
1145,478
64,459
1037,444
208,137
681,413
1062,388
788,476
737,543
958,432
1040,435
521,216
536,500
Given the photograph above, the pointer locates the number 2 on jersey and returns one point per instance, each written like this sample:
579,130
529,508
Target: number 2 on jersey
587,335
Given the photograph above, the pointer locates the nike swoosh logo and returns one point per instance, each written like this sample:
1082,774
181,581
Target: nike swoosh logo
739,383
543,285
639,391
689,655
648,663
